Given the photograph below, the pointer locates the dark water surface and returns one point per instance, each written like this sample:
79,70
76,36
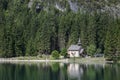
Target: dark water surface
59,71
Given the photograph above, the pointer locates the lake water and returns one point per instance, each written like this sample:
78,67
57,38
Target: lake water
59,71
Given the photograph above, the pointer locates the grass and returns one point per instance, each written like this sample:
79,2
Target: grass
48,57
98,60
88,60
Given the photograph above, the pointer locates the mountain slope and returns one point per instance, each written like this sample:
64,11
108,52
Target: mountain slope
108,6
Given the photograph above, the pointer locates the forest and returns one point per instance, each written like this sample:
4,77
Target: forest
30,31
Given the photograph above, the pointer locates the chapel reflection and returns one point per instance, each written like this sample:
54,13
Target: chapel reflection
75,71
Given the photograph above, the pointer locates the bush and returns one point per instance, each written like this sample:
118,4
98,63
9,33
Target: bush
55,54
64,52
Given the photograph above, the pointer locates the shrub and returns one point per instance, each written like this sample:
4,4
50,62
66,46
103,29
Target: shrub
63,52
55,54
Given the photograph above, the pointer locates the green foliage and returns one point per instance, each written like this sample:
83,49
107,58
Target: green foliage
98,51
64,52
91,49
23,31
55,54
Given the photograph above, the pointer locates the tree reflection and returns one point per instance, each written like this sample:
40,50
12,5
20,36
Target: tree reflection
59,71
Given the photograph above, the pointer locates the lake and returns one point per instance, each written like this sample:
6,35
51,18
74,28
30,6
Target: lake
59,71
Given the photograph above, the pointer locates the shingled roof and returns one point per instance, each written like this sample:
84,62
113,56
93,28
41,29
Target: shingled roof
74,48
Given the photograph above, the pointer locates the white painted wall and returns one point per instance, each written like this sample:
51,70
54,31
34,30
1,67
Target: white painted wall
74,53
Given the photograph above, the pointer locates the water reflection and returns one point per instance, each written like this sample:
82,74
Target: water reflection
59,71
75,71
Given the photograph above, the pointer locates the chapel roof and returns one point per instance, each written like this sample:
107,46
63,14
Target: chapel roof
74,48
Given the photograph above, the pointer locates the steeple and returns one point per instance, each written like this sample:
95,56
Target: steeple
79,42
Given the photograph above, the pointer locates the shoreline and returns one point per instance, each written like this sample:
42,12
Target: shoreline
34,60
70,60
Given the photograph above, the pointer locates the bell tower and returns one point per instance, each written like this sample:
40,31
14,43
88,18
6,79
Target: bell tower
79,42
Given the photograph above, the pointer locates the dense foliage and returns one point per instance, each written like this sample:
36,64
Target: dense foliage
63,52
32,31
55,54
91,50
